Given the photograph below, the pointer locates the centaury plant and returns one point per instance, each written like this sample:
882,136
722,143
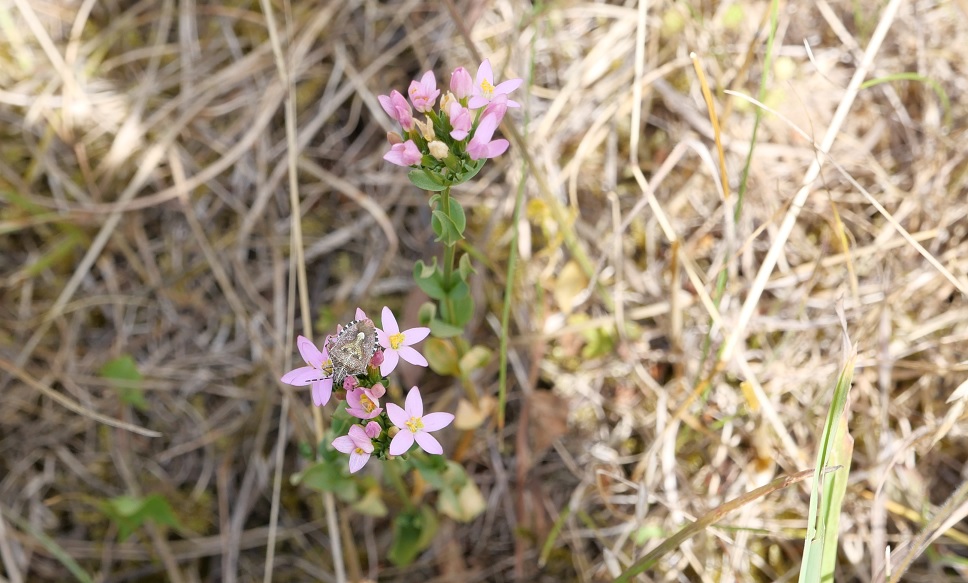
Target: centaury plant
449,146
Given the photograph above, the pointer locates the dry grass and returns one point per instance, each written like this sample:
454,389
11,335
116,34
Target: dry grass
146,211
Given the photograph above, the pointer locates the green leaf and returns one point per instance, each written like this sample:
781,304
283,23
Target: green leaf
425,180
470,171
459,291
422,270
464,267
126,380
371,504
441,355
475,358
413,531
457,311
130,513
426,313
433,200
445,228
463,504
441,329
330,474
458,216
432,469
432,285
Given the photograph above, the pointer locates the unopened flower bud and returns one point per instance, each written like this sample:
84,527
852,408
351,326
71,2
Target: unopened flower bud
394,138
350,383
438,149
445,100
426,129
378,390
377,359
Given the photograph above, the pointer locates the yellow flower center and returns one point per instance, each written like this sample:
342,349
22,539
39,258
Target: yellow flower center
327,367
486,88
359,450
415,424
396,341
366,404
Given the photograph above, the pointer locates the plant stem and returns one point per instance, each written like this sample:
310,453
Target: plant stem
450,255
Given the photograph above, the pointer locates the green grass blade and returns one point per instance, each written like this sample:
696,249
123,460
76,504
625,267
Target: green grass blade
829,487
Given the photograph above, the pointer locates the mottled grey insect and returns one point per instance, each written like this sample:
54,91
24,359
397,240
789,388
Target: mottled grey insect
350,351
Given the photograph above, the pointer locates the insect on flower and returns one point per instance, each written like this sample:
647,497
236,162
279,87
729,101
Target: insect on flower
350,351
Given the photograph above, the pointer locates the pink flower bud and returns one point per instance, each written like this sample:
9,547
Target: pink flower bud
378,390
377,359
461,83
405,154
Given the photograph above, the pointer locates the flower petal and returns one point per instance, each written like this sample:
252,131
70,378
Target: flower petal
398,416
383,338
344,444
412,356
302,376
322,391
414,403
508,86
357,461
435,421
415,335
428,443
389,322
484,72
390,360
360,314
401,443
309,352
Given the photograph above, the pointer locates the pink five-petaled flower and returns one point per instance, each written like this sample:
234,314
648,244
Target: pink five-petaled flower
362,403
405,154
481,145
397,344
415,426
485,90
397,107
358,443
423,93
461,83
316,374
460,120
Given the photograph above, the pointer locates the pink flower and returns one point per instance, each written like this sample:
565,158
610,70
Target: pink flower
415,426
358,443
481,145
363,403
460,120
397,107
461,83
318,373
405,154
485,90
423,93
397,344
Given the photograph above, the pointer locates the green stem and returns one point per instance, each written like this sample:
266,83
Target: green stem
450,255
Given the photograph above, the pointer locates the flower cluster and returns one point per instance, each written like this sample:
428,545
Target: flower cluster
455,139
354,364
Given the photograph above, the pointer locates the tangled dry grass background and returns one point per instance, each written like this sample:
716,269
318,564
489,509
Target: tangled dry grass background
145,211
